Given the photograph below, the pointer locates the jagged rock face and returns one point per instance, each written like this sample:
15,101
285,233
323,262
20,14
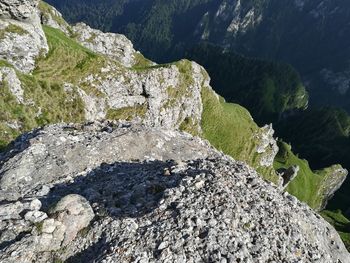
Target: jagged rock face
18,9
162,96
267,147
203,206
113,45
22,38
51,17
332,184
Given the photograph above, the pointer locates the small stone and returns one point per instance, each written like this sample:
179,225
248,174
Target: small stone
162,245
35,216
35,205
166,172
199,184
49,226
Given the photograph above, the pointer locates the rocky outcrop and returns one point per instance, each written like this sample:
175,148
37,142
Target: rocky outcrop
9,77
115,46
22,39
157,196
50,16
267,147
74,212
288,174
18,9
335,178
162,96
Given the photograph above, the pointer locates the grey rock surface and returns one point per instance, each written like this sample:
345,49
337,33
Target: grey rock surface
23,39
18,9
74,212
157,196
267,146
288,174
50,16
9,77
113,45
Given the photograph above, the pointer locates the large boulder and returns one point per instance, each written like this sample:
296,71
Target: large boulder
75,213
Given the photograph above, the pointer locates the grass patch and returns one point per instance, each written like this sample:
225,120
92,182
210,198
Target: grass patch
11,28
309,186
190,126
231,129
67,60
141,61
127,113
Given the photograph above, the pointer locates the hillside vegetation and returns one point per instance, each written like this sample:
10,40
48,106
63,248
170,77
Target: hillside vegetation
266,89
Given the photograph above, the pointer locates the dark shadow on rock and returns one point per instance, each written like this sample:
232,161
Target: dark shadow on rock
120,190
17,146
89,255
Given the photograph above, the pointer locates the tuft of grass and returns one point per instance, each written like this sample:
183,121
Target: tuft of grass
127,113
141,61
11,28
190,126
231,129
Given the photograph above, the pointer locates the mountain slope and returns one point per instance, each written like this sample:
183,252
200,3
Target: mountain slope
80,74
267,89
318,45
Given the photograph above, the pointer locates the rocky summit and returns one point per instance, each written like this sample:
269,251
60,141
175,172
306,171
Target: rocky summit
106,156
124,192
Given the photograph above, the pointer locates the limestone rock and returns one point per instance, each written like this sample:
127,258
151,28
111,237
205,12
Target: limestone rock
52,235
288,175
75,213
35,216
9,77
11,210
18,9
22,39
115,46
207,206
267,147
50,16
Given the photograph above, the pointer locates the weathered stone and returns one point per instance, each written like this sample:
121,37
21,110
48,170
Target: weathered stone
35,216
115,46
75,213
18,9
22,46
11,210
210,207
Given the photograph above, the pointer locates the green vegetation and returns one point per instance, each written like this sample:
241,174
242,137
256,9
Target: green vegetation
265,88
190,126
141,61
11,28
309,185
127,113
231,129
67,60
47,100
